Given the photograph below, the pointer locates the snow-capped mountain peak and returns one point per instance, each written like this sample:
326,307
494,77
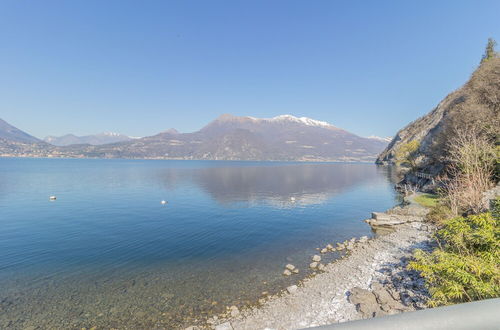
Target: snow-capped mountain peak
278,119
301,120
111,134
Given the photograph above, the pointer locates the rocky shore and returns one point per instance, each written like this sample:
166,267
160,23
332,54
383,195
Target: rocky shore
369,280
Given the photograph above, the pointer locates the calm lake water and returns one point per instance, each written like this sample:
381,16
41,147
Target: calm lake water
107,253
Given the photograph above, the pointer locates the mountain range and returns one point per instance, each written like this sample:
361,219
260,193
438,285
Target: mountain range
228,137
96,139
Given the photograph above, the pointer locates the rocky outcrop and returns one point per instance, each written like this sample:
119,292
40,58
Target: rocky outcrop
476,103
388,219
365,301
398,215
376,302
422,130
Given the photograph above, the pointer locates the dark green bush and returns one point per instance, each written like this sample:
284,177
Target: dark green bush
466,265
495,208
439,213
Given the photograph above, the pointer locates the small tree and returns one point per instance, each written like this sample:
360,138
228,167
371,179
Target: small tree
471,158
489,52
407,154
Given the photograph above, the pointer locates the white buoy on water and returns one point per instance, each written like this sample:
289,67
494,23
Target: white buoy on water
163,202
292,199
52,198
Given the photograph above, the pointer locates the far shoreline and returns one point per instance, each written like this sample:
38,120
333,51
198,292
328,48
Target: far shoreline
208,160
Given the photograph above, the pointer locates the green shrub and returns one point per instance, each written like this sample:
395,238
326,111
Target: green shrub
466,265
439,214
407,154
495,208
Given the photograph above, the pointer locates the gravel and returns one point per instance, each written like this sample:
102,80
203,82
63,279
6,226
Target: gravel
324,298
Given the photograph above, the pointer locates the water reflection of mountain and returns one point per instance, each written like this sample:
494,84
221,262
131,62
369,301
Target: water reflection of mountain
279,185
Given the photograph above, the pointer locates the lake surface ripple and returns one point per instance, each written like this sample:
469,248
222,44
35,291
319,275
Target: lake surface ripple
107,253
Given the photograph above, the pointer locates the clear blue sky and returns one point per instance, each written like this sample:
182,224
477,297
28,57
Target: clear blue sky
141,67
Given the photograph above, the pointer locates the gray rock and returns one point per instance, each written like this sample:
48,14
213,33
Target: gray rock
313,265
224,326
365,301
234,311
405,298
384,298
292,289
287,272
316,258
290,267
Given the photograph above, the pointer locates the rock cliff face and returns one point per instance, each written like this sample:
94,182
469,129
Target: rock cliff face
476,101
424,130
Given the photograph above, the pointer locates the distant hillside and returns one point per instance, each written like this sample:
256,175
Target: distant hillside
476,104
9,132
228,137
246,138
96,139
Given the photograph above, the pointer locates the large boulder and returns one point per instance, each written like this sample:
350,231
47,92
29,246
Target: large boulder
366,302
387,302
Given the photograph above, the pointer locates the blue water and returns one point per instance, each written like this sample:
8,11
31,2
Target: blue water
108,253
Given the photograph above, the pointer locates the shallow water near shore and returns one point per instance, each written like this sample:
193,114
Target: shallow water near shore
107,253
